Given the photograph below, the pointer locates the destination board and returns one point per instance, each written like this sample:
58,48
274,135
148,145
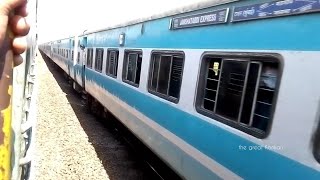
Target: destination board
202,19
275,9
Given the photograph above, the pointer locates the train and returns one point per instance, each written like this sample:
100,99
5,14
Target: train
224,89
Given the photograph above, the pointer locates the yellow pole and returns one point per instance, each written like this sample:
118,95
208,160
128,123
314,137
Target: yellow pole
6,72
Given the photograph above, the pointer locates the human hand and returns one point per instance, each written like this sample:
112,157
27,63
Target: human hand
12,16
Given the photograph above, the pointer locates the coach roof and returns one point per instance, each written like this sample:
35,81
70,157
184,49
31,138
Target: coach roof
185,9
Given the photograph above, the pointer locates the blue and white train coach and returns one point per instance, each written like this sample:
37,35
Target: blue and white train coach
224,89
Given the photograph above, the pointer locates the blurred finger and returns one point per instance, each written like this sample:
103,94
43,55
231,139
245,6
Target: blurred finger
19,45
6,6
17,60
19,25
22,10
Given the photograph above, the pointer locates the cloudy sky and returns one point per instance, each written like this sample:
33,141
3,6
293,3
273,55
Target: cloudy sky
62,18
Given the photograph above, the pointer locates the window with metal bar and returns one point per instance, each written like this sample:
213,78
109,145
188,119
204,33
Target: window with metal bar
165,75
99,59
239,91
112,62
89,57
132,67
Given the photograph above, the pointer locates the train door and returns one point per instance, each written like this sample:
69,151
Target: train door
51,50
83,48
69,60
78,63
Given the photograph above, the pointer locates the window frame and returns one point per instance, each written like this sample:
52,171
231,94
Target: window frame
171,53
109,50
126,53
201,83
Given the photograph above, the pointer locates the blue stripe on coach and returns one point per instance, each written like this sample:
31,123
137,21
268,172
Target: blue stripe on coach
217,143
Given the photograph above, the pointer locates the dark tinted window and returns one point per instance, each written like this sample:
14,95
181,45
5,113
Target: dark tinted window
239,91
165,75
132,67
112,62
99,59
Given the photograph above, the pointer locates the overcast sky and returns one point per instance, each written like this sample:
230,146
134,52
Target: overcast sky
62,18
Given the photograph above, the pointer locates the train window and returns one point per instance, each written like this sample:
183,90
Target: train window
72,55
239,91
132,67
89,57
112,62
165,75
99,59
78,58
